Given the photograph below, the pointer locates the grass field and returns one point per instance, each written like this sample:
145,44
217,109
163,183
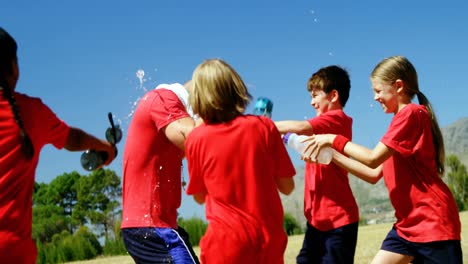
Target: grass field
369,239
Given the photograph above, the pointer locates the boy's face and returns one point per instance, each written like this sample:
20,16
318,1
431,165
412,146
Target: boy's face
321,101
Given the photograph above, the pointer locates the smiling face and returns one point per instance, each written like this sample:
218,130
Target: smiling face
387,95
321,101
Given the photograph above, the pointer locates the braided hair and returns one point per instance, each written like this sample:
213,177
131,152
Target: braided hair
8,49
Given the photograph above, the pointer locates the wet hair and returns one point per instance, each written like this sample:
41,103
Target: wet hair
8,57
331,78
400,68
219,94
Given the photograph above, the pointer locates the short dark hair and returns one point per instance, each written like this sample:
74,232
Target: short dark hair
331,78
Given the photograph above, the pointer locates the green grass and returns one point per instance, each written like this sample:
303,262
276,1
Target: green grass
369,239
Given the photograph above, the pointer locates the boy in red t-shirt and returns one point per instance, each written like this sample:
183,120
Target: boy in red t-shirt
329,205
26,125
410,157
237,163
152,185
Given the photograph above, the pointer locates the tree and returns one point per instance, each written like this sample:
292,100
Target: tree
291,226
48,220
457,180
99,199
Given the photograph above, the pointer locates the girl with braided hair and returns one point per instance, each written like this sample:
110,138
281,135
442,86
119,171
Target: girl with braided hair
26,125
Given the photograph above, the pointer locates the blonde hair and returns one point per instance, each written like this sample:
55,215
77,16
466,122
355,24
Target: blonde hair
218,94
398,67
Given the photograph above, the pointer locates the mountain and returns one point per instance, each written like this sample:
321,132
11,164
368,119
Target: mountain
456,139
373,202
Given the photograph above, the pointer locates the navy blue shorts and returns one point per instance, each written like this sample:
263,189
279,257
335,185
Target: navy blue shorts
333,246
448,251
159,245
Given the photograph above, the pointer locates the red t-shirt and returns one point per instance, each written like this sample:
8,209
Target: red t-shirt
424,206
17,174
237,163
152,165
328,199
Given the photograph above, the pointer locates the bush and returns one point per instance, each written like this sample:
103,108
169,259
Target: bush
195,227
291,226
115,246
65,247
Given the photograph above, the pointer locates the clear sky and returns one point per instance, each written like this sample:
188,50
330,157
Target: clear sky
81,57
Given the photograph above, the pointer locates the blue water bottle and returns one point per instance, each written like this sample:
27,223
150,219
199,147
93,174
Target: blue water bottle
263,107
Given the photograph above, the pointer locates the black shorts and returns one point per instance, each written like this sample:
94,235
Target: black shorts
333,246
159,245
447,251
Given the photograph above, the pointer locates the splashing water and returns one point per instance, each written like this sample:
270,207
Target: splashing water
140,74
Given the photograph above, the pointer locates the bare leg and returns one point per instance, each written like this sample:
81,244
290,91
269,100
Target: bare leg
387,257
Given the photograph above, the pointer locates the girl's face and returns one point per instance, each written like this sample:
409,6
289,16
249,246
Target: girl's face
386,94
321,101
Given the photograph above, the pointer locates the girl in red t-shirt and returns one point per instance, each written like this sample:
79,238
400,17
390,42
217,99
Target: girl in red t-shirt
26,125
237,163
410,157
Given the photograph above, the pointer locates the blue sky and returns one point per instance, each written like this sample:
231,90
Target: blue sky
81,57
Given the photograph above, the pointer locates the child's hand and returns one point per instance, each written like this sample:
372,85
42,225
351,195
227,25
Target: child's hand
316,143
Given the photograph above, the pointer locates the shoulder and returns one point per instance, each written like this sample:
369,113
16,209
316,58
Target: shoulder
29,102
412,112
25,97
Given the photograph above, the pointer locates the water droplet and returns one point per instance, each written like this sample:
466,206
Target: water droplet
140,74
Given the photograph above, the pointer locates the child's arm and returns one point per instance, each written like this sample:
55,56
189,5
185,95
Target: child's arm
178,130
285,185
358,169
199,197
371,158
79,140
294,126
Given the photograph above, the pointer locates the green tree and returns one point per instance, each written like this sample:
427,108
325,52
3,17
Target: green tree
457,180
291,226
48,220
99,199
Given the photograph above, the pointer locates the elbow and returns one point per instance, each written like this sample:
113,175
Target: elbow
373,180
199,198
287,190
373,163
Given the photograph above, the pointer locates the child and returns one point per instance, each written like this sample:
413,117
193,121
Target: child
410,157
152,186
329,205
237,163
26,125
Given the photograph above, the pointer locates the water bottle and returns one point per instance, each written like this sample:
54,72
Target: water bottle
92,159
294,141
263,107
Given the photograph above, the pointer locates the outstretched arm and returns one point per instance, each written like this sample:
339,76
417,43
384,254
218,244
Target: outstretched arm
79,140
371,158
358,169
293,126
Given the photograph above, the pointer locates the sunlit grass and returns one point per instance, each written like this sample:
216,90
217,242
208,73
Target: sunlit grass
369,239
